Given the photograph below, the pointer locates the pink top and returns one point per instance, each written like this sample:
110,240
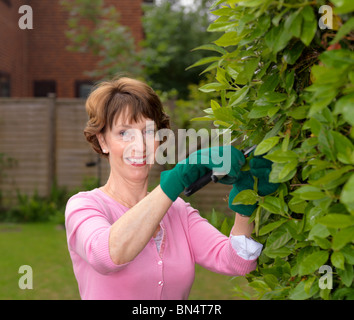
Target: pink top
187,238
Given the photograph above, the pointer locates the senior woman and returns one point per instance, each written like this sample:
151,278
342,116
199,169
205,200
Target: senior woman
128,243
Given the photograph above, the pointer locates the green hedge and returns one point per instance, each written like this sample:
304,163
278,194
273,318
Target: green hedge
287,86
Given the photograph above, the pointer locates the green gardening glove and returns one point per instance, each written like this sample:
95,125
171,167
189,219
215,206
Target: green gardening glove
245,181
225,159
260,168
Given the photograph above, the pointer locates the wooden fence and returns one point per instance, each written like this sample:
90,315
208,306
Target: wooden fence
43,138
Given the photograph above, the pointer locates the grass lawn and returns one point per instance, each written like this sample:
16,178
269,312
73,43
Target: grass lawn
43,247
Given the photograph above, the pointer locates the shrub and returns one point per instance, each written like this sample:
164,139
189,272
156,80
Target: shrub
287,86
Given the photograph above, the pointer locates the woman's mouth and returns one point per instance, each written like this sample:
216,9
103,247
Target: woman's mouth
137,162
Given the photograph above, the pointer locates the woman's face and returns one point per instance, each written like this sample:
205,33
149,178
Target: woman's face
131,147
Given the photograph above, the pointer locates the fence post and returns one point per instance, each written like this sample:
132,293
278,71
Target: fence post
52,132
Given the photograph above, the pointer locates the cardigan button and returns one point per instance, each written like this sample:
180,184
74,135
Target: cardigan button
160,283
160,263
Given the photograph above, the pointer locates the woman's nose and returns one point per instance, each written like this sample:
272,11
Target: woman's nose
139,142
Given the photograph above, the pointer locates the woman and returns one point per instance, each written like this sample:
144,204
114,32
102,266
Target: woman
126,243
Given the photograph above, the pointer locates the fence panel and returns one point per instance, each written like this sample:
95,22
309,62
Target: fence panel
44,137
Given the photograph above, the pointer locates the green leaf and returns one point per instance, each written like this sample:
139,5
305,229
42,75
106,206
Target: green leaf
289,81
214,105
224,114
348,253
337,220
249,67
238,96
277,38
326,143
249,3
299,292
259,111
313,262
337,259
293,52
211,47
282,172
266,145
332,179
278,238
347,274
271,280
299,112
273,205
309,26
206,118
211,87
297,205
293,24
346,196
280,156
309,193
344,148
203,61
269,84
246,197
271,226
318,230
225,228
231,38
277,253
343,6
345,106
342,237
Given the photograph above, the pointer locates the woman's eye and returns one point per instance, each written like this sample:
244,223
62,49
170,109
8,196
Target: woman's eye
125,134
150,132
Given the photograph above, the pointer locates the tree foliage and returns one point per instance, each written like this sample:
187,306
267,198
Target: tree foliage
171,32
95,28
287,86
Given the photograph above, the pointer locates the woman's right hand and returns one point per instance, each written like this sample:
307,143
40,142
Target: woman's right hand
225,159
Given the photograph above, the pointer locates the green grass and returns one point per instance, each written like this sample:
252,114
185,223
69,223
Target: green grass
43,247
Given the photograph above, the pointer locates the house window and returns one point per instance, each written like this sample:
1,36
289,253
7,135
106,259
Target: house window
43,88
83,89
5,89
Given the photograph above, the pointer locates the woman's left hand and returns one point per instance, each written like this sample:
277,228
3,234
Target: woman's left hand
260,169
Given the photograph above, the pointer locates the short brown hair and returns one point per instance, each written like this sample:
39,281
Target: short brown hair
111,98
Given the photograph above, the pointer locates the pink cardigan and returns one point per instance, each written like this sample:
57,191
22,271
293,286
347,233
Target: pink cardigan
168,274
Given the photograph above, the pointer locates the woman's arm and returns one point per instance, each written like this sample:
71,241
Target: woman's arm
242,226
142,219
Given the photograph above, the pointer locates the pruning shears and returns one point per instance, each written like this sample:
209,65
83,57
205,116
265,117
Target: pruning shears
210,176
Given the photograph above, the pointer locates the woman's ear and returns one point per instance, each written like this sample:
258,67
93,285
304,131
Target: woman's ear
102,143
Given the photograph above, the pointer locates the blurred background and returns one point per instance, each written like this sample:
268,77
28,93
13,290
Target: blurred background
52,54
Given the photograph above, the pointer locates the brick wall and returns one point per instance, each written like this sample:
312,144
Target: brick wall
13,48
40,54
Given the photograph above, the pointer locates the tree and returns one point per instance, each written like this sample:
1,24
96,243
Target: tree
287,86
171,32
95,28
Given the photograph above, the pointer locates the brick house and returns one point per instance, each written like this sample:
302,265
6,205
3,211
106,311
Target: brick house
34,62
